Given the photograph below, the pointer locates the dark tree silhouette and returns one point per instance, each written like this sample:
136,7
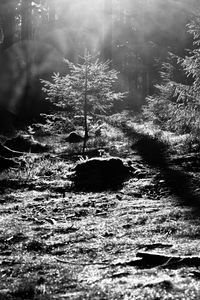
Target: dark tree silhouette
107,43
7,16
26,20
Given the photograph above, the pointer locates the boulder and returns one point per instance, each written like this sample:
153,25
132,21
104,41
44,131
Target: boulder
100,173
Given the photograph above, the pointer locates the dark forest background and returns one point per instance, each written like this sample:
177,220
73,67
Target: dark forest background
137,36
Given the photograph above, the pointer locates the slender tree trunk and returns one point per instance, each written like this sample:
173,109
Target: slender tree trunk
107,43
52,14
85,105
26,20
147,82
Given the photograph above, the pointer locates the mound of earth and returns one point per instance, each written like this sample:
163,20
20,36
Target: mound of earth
100,173
74,137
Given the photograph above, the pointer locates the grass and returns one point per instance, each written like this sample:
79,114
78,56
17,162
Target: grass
35,167
80,245
97,238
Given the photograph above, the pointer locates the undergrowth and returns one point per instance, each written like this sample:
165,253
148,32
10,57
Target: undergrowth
33,166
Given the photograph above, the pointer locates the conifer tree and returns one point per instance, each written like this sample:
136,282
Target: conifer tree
88,89
177,104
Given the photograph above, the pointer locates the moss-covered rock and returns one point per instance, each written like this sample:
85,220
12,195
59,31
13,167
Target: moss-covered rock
100,173
74,137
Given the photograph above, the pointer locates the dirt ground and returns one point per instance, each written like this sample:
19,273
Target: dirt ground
61,244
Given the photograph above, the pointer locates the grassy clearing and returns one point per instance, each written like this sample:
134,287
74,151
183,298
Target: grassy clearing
76,245
81,246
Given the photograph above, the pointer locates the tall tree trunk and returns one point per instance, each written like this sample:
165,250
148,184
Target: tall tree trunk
52,13
107,43
26,20
7,14
122,12
26,35
147,81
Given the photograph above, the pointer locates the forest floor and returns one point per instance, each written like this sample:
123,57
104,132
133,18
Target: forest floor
57,243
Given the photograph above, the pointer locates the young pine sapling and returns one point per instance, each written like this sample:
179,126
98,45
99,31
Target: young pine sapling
88,89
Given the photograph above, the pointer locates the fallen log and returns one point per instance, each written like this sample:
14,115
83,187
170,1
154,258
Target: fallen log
188,158
97,152
7,152
6,163
26,143
155,245
151,260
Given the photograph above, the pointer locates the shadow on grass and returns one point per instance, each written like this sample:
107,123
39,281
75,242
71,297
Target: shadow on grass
154,152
